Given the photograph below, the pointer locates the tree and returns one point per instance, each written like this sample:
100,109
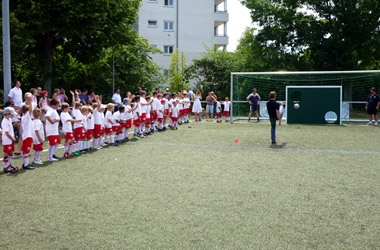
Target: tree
213,71
319,35
176,72
79,28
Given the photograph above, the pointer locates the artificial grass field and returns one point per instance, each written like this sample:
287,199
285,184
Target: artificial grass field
195,188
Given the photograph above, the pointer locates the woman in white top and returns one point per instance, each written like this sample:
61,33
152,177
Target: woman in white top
197,106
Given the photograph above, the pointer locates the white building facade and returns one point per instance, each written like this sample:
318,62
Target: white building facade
186,25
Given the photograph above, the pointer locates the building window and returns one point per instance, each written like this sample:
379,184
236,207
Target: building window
152,23
154,45
168,26
168,49
169,3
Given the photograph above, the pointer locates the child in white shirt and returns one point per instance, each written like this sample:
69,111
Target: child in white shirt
52,132
108,123
8,139
67,129
227,105
38,136
218,111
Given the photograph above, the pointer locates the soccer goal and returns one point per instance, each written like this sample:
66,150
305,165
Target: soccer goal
354,85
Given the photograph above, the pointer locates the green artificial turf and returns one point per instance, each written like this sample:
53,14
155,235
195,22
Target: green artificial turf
195,188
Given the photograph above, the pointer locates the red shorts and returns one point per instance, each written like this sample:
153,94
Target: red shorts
187,111
226,113
166,113
174,119
38,147
54,140
9,148
143,117
122,125
108,131
27,145
97,131
128,124
116,128
103,131
181,112
219,114
160,120
89,133
78,133
69,136
154,115
136,123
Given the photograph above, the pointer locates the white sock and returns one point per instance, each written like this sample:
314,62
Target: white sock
66,147
126,132
25,159
112,139
51,151
35,155
135,131
7,161
39,155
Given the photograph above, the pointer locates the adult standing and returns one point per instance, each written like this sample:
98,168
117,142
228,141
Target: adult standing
62,95
116,98
169,94
274,114
191,94
197,106
372,106
210,100
91,97
215,103
15,95
83,97
254,100
139,91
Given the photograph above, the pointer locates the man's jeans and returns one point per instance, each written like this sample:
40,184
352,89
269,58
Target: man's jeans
273,129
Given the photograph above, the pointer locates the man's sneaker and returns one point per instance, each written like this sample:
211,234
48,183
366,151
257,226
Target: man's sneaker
53,159
274,142
10,169
28,167
38,162
56,157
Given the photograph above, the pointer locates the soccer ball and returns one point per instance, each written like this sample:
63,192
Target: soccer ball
296,106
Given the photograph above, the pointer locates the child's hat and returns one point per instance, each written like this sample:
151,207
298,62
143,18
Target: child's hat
9,110
103,106
163,101
43,92
125,100
159,95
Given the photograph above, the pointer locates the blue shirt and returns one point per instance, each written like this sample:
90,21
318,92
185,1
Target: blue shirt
373,100
254,98
84,97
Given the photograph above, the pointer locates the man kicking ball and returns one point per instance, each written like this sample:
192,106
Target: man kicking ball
254,100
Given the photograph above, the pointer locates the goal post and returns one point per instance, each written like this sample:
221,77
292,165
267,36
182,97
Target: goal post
355,89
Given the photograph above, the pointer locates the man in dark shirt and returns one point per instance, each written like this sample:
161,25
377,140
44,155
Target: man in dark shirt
254,100
83,97
372,106
273,108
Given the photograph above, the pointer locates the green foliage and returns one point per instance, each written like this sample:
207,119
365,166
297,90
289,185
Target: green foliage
70,43
312,35
176,72
212,71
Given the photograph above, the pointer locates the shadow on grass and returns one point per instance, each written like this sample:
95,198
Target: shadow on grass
278,146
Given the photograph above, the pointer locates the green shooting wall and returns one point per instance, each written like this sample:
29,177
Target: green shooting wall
315,102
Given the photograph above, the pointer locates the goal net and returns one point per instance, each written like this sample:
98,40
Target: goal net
355,85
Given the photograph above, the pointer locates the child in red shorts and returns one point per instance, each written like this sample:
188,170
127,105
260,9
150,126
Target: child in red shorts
78,129
67,129
52,132
8,139
27,136
38,137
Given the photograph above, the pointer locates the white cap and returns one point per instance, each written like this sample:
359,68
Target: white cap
9,110
103,106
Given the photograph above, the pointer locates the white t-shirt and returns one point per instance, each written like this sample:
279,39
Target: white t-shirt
143,107
97,117
186,105
6,126
16,95
38,126
115,118
128,115
227,106
136,111
77,115
67,127
107,119
160,108
170,103
27,126
175,111
52,129
116,98
34,105
166,104
180,104
218,107
84,121
154,104
102,119
90,121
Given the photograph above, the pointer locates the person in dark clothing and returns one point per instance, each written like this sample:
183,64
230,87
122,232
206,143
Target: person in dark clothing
273,108
372,106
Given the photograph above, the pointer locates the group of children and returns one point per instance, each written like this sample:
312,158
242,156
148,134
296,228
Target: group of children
81,124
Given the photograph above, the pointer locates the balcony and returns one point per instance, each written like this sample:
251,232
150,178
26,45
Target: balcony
220,40
220,17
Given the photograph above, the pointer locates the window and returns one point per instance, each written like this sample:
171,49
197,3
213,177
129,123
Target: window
168,26
168,49
154,45
152,23
169,3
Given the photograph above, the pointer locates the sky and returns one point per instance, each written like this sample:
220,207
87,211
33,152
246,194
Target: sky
239,19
